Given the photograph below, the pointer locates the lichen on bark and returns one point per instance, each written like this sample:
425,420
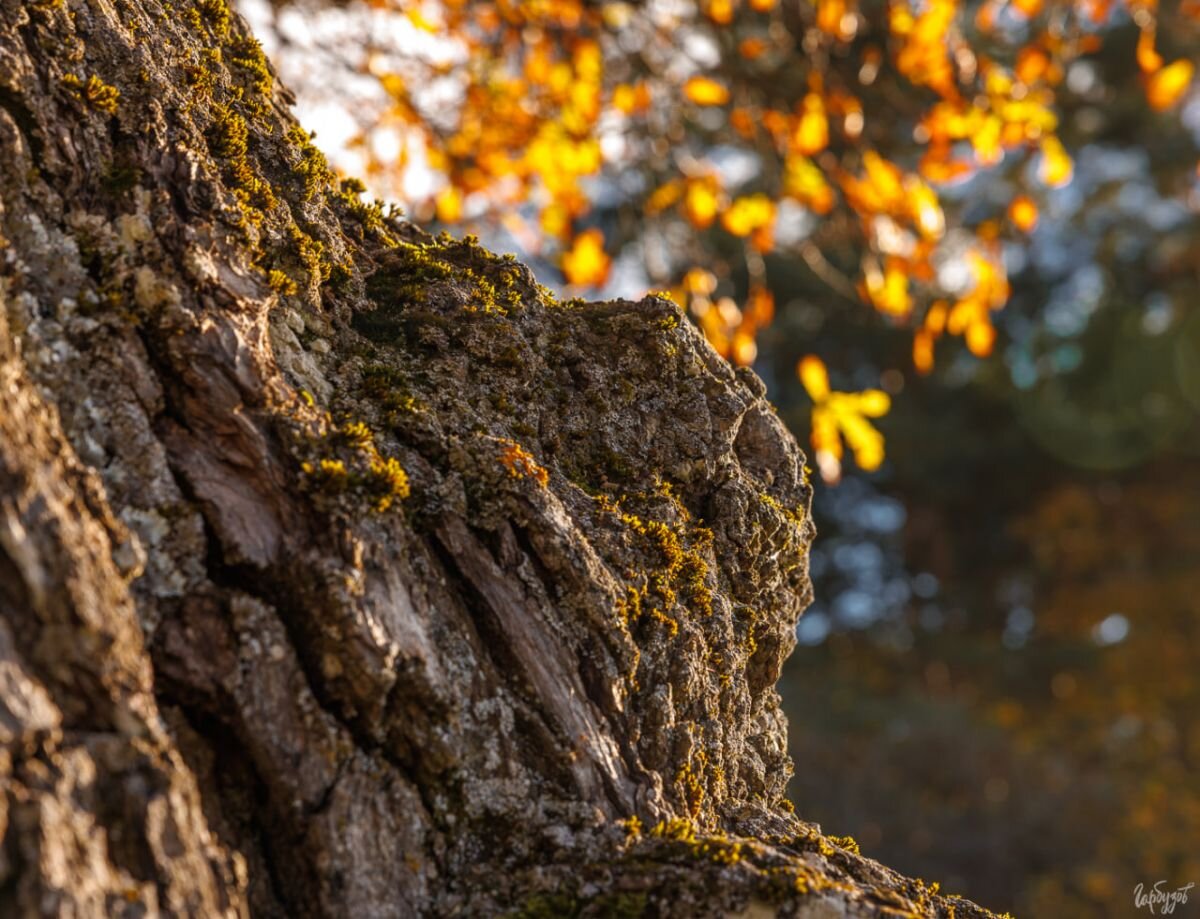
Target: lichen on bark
343,569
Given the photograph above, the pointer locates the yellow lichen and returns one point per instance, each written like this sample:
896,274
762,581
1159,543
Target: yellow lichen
95,92
520,463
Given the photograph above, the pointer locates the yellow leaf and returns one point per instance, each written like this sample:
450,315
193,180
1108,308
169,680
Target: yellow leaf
555,220
631,99
418,18
748,214
702,200
888,289
874,402
825,437
812,130
586,264
449,205
981,336
812,373
1056,167
926,210
803,181
1165,87
700,281
743,350
663,197
705,91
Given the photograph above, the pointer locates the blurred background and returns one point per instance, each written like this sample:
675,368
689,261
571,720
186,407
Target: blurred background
960,242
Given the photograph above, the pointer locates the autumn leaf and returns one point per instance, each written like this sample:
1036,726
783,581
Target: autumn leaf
812,130
449,205
887,289
705,91
838,416
1167,86
586,264
702,200
749,214
1023,213
1056,167
719,11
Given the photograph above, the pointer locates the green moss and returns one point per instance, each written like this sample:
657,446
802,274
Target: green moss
230,135
252,190
215,14
547,906
352,465
202,75
625,905
310,253
328,475
388,482
494,282
121,176
312,166
669,322
682,574
369,215
246,54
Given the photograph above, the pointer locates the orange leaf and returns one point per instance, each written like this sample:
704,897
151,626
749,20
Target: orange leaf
1032,65
1148,59
923,351
1023,213
719,11
760,308
752,48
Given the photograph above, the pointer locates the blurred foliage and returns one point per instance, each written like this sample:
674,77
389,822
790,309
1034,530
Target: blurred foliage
1045,763
968,230
712,134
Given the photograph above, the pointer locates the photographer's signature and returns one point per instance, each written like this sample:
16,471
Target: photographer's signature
1160,901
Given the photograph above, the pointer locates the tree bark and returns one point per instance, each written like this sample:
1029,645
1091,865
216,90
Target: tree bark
343,570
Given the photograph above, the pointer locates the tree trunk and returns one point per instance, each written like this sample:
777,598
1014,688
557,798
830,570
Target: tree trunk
343,571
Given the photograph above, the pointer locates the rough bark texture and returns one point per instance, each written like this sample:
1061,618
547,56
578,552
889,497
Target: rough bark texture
342,570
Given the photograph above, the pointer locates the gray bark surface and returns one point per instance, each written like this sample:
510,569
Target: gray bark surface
343,570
